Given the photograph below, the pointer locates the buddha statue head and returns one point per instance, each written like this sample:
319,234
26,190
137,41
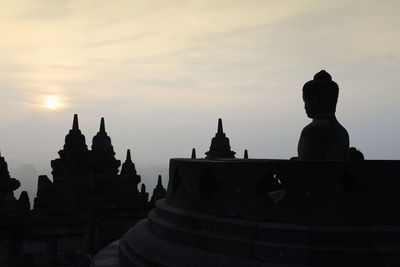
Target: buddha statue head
320,95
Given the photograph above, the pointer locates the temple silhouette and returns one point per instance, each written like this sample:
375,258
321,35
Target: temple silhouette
326,206
88,204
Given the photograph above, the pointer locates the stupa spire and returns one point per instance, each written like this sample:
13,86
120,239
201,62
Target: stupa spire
74,140
158,193
193,153
75,125
128,167
128,171
246,155
220,147
128,155
102,127
220,128
101,141
103,151
159,182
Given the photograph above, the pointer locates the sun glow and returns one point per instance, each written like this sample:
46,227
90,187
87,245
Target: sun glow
52,102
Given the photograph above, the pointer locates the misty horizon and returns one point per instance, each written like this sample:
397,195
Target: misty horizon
162,73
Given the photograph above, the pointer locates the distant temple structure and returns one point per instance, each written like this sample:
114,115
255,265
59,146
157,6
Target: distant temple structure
88,204
8,203
11,210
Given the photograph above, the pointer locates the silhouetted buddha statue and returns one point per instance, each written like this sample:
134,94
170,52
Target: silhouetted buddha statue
324,138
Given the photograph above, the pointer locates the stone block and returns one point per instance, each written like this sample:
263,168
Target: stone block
34,247
41,259
69,257
4,248
69,243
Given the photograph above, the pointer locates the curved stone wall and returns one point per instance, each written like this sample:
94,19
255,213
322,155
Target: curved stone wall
271,213
305,192
176,237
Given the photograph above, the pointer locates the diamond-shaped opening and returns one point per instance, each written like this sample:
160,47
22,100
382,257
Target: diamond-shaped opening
208,189
271,187
347,196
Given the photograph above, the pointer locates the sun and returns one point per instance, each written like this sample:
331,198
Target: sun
52,102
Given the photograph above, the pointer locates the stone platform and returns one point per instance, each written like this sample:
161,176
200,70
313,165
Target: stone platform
107,257
271,213
174,237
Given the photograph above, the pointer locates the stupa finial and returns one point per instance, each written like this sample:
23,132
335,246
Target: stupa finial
220,128
75,125
193,153
102,126
246,155
128,155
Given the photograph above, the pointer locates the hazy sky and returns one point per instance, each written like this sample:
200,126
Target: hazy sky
163,72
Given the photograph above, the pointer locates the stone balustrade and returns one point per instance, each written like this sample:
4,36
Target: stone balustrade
353,192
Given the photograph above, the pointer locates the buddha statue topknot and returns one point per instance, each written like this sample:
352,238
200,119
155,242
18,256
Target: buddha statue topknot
324,138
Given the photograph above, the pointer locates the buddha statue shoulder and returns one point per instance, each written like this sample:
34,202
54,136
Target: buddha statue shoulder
324,138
